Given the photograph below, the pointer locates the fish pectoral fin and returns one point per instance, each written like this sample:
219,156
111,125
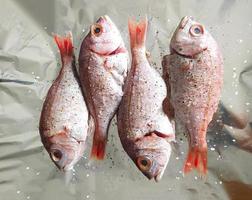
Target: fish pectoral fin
109,64
168,108
166,61
176,147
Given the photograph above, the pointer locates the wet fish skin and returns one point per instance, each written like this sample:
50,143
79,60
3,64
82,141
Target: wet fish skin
194,74
103,66
64,119
144,129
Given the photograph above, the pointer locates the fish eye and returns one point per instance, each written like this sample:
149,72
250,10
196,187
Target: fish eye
56,155
144,163
96,30
196,30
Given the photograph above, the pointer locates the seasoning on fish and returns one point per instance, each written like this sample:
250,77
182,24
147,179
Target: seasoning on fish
64,118
103,65
194,72
144,129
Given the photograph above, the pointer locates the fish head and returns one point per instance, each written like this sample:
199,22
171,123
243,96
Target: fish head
151,156
64,150
190,38
104,38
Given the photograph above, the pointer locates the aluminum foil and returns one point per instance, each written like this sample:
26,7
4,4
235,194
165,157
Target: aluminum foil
29,62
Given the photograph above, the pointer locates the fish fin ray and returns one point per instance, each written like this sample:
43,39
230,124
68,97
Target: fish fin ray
196,159
65,45
99,146
137,32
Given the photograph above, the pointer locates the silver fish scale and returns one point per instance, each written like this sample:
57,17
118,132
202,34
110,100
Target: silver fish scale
195,87
65,107
141,109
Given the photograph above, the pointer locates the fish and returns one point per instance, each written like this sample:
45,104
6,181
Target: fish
194,75
144,129
64,121
103,67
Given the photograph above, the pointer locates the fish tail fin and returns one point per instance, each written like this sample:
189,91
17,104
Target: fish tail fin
137,32
196,159
99,145
65,45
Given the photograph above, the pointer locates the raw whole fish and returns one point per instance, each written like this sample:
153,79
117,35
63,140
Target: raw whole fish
103,65
194,74
144,129
64,118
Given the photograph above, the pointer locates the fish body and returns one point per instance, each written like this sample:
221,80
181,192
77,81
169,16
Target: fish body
194,75
144,128
64,119
103,66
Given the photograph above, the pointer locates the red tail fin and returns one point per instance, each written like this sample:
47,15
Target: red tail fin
137,32
99,146
196,158
65,45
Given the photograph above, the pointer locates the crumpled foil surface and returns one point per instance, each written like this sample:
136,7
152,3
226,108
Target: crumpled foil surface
29,62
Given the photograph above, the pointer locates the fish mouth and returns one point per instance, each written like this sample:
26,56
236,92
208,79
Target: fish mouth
60,155
156,173
157,177
104,18
184,21
64,168
67,168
